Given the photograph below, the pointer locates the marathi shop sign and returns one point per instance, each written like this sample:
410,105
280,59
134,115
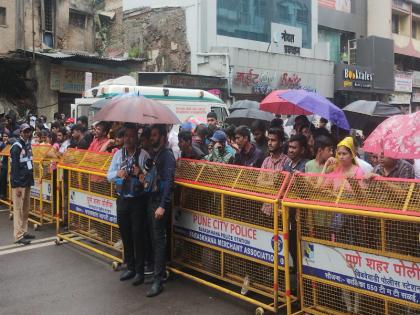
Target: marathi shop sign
286,39
387,276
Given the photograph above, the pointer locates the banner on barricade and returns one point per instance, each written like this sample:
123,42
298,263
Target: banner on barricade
235,237
94,206
46,190
391,277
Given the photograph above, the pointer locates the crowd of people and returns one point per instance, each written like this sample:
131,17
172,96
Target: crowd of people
306,148
144,162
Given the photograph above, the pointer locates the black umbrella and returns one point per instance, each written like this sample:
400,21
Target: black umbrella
247,116
244,104
362,113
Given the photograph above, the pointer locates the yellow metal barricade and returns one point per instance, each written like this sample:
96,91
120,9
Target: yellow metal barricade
358,244
6,198
88,202
229,233
43,195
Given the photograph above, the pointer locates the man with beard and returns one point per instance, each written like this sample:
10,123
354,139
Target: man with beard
159,183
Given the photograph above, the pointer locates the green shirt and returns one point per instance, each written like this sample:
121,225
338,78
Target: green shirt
214,156
313,167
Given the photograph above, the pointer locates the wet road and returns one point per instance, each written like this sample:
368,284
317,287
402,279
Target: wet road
47,279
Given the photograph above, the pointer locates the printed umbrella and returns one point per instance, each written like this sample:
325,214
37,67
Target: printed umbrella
136,109
290,101
361,113
243,104
398,137
247,116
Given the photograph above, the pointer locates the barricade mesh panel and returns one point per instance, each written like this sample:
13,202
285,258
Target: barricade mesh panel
73,156
196,256
40,151
398,309
380,194
200,200
261,277
266,183
329,299
98,162
400,237
102,233
249,211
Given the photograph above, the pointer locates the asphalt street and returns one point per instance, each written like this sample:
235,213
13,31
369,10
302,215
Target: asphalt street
47,279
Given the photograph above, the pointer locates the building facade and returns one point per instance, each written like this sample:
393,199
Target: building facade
47,48
399,20
258,46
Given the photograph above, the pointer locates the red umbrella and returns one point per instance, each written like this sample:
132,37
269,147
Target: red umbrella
397,137
136,109
274,104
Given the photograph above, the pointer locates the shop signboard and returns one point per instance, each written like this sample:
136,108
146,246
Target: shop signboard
353,78
286,39
403,81
338,5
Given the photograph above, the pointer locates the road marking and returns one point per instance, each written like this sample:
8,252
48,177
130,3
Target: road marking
22,248
41,240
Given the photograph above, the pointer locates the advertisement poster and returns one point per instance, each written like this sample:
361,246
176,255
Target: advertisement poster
94,206
339,5
391,277
46,190
235,237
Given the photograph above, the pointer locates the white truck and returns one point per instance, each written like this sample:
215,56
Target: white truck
185,103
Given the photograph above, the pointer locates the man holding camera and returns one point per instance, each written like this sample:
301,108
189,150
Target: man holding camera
219,153
125,171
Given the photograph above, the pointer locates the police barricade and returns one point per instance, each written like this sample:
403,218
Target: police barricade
228,231
43,194
358,243
5,188
88,202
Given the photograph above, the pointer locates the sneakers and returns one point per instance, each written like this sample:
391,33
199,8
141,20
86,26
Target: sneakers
23,241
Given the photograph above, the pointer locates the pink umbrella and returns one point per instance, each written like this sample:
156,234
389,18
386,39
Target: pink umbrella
398,137
273,103
136,109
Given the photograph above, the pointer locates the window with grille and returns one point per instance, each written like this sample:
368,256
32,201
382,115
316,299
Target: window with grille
48,15
2,16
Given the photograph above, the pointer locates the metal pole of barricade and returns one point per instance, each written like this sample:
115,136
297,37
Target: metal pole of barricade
276,254
286,240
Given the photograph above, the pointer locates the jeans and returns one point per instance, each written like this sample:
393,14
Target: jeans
158,237
131,218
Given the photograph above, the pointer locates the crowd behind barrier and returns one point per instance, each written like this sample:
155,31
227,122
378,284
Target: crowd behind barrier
313,243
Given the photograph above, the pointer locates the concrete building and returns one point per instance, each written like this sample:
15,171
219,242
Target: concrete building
257,46
343,25
47,47
400,20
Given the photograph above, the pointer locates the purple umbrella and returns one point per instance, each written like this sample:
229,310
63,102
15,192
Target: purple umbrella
317,104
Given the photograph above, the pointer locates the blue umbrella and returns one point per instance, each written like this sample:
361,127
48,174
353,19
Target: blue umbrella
317,104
